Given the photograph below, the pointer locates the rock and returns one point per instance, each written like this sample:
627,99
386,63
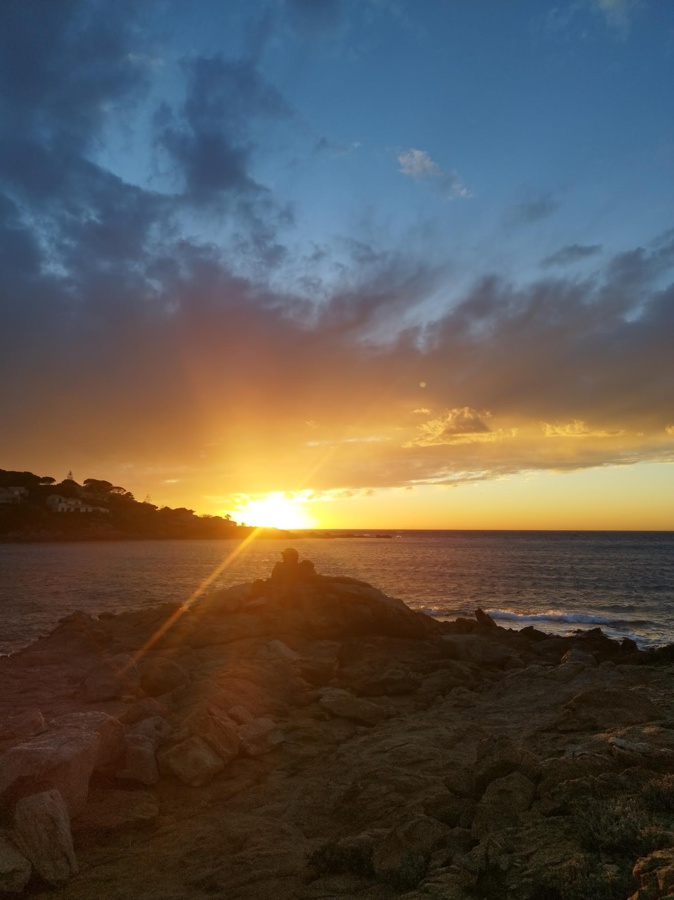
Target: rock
499,755
343,703
141,743
140,762
23,725
15,869
655,874
484,618
502,804
280,650
146,708
241,715
440,682
449,809
405,850
600,708
64,757
475,648
114,676
226,601
259,736
317,670
109,811
192,761
576,655
160,676
393,681
221,733
42,833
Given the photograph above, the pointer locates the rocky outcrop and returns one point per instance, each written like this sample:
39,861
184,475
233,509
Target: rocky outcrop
309,738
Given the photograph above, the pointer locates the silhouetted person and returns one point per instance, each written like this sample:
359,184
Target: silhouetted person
286,572
306,569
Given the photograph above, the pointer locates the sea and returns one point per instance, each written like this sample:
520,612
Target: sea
557,581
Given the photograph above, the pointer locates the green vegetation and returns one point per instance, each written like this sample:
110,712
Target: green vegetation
334,858
37,508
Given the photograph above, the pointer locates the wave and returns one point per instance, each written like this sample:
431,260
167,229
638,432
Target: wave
559,617
645,632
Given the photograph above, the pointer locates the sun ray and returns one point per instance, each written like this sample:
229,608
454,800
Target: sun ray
194,596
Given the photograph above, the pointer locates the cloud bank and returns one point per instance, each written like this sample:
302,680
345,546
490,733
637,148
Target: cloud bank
132,336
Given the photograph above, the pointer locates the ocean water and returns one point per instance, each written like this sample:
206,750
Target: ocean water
622,582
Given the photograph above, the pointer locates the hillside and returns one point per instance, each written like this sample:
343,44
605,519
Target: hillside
37,508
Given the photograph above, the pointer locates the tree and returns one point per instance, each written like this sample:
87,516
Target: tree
98,485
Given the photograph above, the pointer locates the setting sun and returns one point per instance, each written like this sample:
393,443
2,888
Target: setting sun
276,510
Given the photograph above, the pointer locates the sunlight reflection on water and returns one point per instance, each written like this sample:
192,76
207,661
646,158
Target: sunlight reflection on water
624,581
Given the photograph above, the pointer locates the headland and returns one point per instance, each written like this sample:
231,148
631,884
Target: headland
306,737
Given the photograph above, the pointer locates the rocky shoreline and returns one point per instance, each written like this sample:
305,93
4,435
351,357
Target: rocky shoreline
309,738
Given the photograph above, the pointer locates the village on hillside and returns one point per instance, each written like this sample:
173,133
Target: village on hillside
35,508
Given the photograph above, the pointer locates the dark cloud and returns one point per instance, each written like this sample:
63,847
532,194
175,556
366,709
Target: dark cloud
127,336
533,211
212,137
574,253
60,64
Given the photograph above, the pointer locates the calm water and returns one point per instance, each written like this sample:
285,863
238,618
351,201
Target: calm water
557,581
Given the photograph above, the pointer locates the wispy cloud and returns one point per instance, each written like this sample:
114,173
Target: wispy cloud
576,429
571,254
454,426
531,211
618,14
417,164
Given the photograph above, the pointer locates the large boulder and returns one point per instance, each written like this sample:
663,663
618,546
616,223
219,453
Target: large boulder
193,761
42,834
63,758
217,730
15,869
259,736
140,746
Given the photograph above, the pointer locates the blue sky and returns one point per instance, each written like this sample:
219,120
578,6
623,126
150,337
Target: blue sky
337,249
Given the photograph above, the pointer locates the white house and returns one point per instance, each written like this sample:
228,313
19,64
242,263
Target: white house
57,503
13,494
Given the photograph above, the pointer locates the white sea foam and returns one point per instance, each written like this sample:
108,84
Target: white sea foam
555,581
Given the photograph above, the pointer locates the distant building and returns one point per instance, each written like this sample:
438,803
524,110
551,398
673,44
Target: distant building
13,495
60,504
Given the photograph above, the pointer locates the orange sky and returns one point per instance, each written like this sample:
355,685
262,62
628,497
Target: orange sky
257,250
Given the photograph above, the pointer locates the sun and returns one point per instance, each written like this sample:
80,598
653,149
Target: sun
276,510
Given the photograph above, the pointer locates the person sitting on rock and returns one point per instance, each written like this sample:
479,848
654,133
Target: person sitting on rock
306,570
288,571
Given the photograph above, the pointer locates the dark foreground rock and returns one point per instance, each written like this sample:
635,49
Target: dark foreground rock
309,738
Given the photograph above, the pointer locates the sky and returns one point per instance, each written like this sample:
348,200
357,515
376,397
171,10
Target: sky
343,263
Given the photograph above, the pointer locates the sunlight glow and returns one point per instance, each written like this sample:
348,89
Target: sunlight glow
194,596
276,510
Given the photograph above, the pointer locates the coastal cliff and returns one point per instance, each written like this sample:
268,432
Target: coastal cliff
308,738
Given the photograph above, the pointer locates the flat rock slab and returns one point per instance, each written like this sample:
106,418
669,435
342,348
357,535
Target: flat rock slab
64,757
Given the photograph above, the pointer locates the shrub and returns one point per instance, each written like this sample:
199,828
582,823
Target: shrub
411,871
339,859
